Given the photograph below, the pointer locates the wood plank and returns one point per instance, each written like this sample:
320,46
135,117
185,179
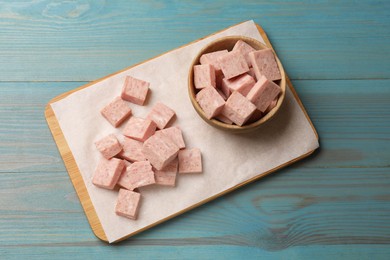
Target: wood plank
282,211
337,108
23,129
88,251
83,41
74,174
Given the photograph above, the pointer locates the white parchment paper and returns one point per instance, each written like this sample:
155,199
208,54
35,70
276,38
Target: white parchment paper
227,159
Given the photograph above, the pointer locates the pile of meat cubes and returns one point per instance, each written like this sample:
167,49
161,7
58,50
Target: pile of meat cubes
237,87
150,154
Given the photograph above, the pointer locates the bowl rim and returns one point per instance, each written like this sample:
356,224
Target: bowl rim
232,127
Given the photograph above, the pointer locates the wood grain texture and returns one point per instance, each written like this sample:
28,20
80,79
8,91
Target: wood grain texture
334,205
314,204
74,173
51,40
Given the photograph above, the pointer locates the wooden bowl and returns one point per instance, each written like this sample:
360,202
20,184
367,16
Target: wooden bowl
228,43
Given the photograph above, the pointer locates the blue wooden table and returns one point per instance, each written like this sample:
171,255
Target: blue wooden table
332,205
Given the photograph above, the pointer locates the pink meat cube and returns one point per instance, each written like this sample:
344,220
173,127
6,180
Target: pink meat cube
127,163
264,64
161,115
224,119
212,59
244,49
190,161
255,116
139,129
225,89
167,176
175,134
132,150
242,84
204,76
220,92
271,106
116,112
108,172
263,93
127,204
252,73
135,90
109,146
138,174
160,150
210,101
218,78
233,64
238,108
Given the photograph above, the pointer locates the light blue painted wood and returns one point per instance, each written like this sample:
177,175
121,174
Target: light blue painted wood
333,205
338,109
85,40
313,204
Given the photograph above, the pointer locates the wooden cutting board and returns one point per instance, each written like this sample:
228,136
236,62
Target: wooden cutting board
78,181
